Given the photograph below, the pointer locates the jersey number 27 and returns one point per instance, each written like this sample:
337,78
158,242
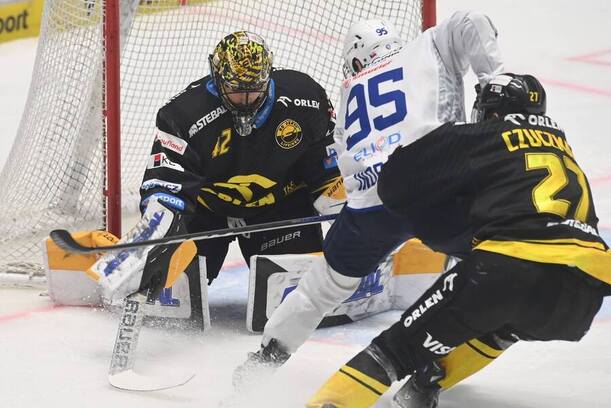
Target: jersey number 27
375,99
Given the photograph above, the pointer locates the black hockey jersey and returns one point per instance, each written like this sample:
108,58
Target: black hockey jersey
198,159
526,195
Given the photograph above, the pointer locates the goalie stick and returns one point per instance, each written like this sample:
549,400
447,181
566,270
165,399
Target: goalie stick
121,374
64,240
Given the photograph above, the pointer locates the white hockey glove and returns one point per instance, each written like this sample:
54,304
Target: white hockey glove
123,273
332,199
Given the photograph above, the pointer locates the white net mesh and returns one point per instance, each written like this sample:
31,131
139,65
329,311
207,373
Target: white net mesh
54,176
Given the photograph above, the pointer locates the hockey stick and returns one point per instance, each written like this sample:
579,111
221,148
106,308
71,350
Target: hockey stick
64,240
121,374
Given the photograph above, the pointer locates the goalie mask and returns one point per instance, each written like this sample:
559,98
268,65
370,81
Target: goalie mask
241,65
368,41
509,93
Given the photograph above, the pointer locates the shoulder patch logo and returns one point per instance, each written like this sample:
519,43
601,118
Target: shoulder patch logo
288,134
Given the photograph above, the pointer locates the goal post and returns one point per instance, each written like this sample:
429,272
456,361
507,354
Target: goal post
103,69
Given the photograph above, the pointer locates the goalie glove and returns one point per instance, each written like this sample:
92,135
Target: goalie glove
123,273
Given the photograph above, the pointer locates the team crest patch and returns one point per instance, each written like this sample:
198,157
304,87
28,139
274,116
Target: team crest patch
288,134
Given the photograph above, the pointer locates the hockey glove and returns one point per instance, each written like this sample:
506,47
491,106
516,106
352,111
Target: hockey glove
153,268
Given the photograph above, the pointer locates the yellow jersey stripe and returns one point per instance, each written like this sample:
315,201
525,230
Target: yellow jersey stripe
590,257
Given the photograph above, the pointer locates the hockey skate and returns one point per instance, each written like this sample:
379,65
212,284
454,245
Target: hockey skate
412,395
260,365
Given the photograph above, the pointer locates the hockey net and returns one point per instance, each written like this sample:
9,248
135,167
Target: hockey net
55,173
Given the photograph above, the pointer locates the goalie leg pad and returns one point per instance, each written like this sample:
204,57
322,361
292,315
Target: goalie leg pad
319,291
273,277
185,303
67,282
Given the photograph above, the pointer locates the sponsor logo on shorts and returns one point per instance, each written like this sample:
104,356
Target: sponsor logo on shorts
171,142
419,310
288,134
434,346
161,160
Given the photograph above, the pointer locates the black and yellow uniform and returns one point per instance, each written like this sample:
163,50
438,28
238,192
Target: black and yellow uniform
528,197
201,166
538,270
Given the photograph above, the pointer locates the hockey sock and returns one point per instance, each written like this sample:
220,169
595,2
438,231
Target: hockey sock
466,360
357,384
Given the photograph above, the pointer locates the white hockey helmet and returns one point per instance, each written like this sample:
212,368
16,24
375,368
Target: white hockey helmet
367,41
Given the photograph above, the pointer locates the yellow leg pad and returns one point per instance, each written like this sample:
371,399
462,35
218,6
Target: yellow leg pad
58,259
466,360
348,388
181,258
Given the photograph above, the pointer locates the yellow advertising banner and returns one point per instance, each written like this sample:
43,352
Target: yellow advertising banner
19,19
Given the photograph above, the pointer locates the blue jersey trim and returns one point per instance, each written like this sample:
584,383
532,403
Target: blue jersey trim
263,112
212,88
364,210
266,109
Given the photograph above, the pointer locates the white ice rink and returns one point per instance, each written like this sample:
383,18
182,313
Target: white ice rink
59,356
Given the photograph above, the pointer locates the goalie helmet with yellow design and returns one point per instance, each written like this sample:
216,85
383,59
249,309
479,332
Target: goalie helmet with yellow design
241,65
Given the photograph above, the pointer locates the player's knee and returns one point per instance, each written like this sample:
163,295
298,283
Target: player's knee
327,283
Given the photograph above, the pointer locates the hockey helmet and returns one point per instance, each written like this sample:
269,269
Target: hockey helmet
509,93
241,65
367,41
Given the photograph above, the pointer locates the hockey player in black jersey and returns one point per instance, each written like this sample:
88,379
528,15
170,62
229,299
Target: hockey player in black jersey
538,269
246,144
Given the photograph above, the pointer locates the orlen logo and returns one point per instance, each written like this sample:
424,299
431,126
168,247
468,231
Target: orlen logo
382,143
171,142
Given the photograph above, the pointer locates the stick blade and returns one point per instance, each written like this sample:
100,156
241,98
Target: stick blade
129,380
65,241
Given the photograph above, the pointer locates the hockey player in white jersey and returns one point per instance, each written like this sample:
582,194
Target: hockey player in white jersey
393,94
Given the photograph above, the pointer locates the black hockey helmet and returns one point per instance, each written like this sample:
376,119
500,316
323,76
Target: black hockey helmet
509,93
241,65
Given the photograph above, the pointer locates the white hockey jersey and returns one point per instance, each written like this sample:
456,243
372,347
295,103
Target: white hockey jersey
400,98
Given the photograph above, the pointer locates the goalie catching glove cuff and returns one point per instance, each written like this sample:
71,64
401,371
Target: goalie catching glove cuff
123,273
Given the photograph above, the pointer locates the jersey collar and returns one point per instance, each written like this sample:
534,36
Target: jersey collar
264,111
